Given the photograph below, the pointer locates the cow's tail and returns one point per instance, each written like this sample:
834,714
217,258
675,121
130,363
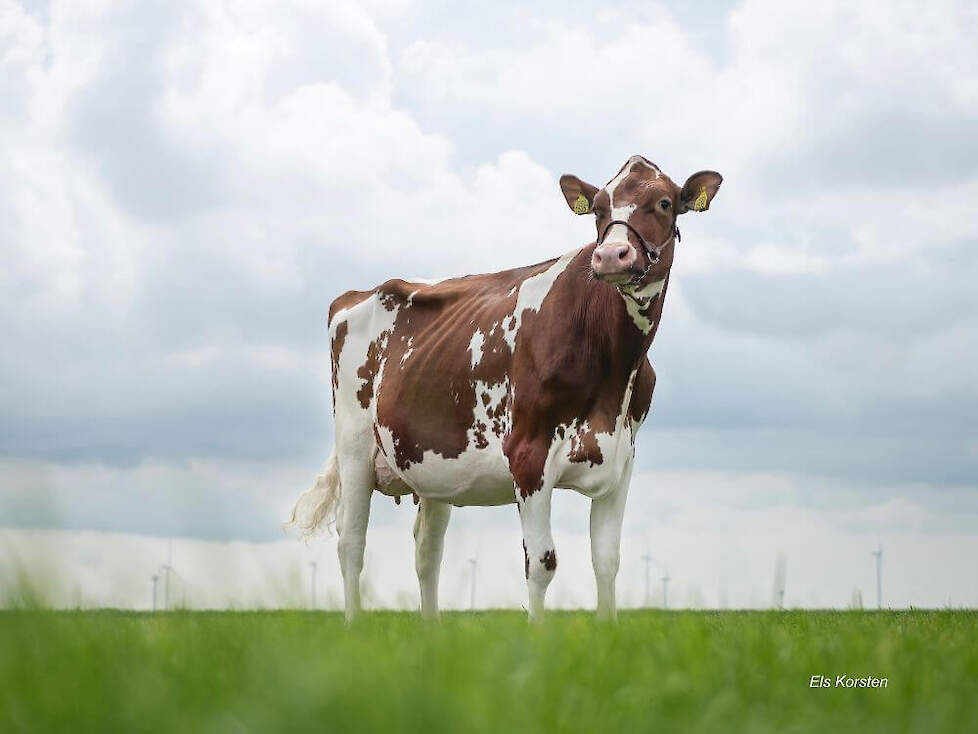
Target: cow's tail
316,507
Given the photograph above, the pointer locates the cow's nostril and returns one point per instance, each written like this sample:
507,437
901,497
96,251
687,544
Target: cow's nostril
622,253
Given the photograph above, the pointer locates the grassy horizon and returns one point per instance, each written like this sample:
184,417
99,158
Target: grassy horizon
688,671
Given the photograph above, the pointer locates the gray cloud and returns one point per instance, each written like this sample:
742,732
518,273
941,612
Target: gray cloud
188,189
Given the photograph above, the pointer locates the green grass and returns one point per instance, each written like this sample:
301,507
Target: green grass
485,672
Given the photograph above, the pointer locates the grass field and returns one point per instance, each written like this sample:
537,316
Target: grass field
480,672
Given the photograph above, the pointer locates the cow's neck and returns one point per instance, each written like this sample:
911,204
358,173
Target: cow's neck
614,327
643,304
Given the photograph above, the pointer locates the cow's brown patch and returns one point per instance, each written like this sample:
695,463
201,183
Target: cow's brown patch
549,560
368,370
336,348
388,300
584,448
479,433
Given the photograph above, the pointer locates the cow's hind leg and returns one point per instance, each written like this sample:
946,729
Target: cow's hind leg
429,542
538,546
357,482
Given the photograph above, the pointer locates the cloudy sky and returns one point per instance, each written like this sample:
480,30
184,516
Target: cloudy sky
184,187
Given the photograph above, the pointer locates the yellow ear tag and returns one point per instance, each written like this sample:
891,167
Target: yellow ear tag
581,204
701,202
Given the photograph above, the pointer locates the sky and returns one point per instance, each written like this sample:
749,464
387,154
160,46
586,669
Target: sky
184,188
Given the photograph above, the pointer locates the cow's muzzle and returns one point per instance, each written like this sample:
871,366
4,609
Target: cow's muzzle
614,259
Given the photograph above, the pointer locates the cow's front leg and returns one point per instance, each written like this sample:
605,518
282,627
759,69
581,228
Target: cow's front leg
538,546
429,542
606,519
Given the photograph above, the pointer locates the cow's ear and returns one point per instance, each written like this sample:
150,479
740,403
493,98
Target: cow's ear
579,194
698,191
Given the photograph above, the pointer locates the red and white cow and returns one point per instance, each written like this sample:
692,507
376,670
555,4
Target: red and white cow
498,388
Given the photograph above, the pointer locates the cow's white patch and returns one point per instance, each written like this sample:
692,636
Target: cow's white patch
475,347
407,353
635,160
637,302
532,292
619,232
427,281
490,418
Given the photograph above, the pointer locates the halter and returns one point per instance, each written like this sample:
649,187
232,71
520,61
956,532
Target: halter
653,252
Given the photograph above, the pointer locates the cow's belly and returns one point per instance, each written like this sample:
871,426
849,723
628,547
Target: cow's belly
474,477
481,477
591,481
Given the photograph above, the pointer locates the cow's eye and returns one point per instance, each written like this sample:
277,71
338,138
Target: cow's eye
665,204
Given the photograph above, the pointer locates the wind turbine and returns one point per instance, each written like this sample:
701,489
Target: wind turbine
168,568
312,584
156,578
648,573
474,566
780,571
879,573
665,590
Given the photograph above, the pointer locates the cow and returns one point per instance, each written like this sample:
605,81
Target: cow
498,388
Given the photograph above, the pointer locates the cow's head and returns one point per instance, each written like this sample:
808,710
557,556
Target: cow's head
635,214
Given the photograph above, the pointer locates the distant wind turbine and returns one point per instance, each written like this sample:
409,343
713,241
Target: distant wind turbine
879,574
168,569
665,590
780,572
156,578
474,566
648,574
